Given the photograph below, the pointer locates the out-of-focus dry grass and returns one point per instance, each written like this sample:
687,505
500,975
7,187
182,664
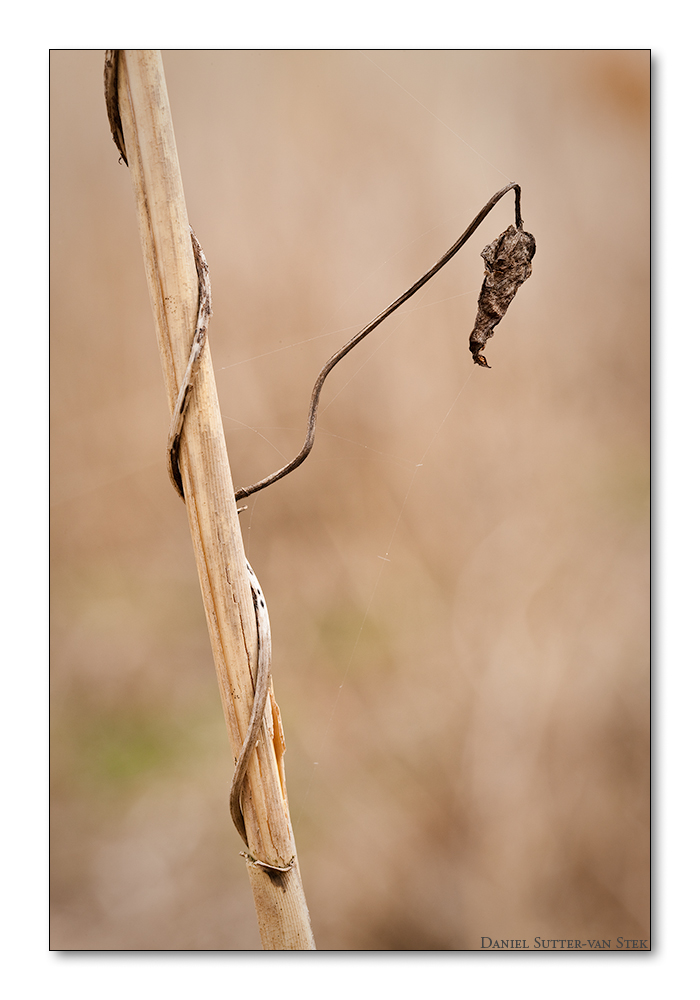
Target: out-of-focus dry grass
467,723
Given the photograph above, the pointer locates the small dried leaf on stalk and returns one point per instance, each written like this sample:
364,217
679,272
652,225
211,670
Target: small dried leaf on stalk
112,100
508,265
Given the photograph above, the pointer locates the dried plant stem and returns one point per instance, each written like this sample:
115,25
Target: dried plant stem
209,494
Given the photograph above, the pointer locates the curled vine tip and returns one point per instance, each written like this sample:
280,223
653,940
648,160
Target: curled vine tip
508,264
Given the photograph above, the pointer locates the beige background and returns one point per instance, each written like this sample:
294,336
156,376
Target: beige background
467,722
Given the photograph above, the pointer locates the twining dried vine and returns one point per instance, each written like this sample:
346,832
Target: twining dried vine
177,419
509,271
508,264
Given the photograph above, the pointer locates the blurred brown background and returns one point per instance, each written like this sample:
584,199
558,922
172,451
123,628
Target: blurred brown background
466,723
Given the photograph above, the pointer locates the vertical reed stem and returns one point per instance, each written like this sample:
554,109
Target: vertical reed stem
209,495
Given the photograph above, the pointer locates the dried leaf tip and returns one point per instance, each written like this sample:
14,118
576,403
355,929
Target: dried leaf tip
508,265
111,70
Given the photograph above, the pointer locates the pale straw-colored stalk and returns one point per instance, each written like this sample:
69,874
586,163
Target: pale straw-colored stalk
209,495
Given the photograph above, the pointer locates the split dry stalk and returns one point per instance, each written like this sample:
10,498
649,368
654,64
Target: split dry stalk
149,140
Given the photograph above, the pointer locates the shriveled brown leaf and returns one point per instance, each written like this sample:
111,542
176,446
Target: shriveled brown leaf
508,265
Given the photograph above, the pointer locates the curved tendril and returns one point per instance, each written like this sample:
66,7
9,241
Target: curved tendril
333,361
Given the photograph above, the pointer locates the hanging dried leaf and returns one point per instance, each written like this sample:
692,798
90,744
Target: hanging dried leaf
112,99
507,267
